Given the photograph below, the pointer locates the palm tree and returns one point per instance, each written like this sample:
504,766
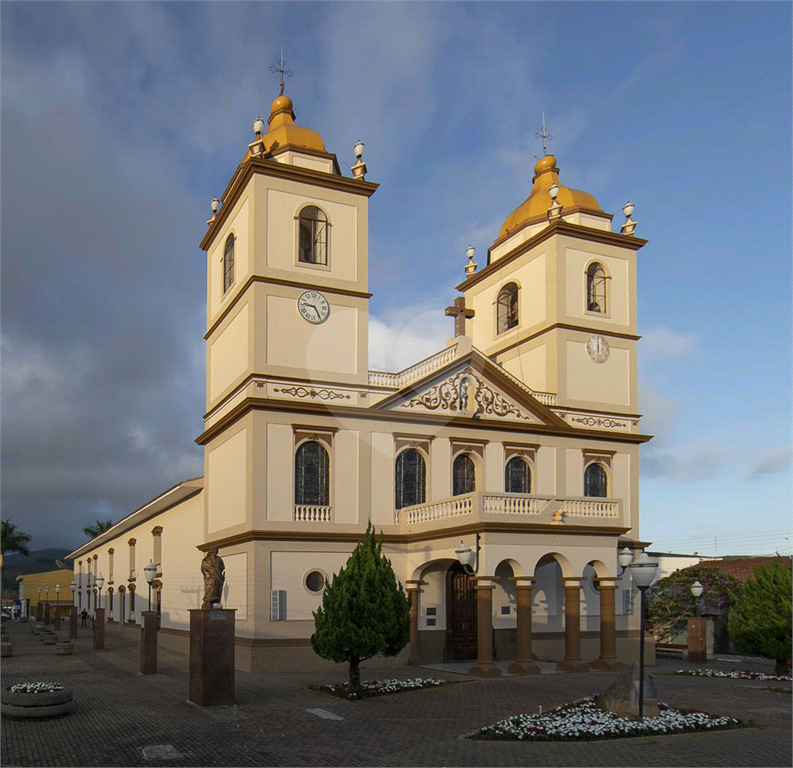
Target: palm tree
12,540
100,526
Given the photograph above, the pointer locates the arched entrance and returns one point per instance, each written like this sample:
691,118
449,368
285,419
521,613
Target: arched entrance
461,628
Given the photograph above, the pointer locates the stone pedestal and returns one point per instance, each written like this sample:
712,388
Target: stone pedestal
73,621
572,628
47,619
57,618
99,629
697,641
148,643
40,612
608,653
212,657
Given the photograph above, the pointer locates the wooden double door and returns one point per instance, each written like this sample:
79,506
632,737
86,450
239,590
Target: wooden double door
461,626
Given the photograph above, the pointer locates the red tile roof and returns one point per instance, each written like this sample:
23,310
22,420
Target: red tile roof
742,567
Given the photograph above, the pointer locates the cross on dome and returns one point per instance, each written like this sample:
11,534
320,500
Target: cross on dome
280,68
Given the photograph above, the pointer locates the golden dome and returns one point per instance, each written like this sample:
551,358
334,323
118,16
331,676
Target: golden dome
536,205
283,131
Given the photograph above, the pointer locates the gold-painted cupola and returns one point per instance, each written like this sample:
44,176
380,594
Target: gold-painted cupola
535,207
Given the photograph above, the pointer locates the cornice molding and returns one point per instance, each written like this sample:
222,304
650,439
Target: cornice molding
254,165
561,228
299,284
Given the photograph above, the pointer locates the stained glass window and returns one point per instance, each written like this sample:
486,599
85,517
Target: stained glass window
410,478
517,476
463,475
312,486
595,481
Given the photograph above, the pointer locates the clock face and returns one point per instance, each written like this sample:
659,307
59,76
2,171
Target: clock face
313,306
598,349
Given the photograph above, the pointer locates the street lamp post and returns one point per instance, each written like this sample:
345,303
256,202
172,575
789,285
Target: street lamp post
46,603
696,591
150,571
100,582
643,571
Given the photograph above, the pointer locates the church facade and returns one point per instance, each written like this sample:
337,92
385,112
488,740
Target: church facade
502,471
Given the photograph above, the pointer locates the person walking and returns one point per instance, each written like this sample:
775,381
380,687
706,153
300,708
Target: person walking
84,616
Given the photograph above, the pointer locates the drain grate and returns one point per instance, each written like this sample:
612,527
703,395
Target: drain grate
161,752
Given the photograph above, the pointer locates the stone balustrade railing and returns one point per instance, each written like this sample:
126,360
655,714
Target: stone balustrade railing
544,509
422,368
309,513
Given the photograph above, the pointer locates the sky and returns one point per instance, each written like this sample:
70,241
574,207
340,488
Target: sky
121,121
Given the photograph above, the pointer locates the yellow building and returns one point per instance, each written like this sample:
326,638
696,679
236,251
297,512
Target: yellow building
519,441
48,587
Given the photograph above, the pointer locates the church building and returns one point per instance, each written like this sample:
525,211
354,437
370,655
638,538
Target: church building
502,471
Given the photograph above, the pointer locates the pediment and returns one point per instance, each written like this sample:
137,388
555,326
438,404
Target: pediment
473,387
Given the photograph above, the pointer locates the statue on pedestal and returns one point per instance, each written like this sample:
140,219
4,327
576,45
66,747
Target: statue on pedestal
213,571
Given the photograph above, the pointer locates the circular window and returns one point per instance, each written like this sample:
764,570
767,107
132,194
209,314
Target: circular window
315,582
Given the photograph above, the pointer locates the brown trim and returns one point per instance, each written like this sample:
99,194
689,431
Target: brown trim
568,211
340,411
174,632
561,228
566,327
354,536
280,281
252,166
273,642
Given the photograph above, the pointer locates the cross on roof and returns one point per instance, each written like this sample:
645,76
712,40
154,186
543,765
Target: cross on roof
459,312
543,135
280,68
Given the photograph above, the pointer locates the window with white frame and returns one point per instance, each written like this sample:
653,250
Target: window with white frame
596,288
228,263
313,236
411,478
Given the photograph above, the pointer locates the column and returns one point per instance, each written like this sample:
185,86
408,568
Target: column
414,589
484,666
99,629
73,621
572,628
608,644
523,655
148,643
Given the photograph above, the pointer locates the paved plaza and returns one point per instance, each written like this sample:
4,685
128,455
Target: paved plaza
122,718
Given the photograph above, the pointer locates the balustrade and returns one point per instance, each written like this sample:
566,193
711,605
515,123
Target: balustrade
308,513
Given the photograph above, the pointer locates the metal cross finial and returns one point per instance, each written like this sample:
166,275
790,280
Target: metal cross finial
280,68
544,135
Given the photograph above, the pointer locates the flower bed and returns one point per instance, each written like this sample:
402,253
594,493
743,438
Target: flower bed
734,674
371,688
586,720
36,700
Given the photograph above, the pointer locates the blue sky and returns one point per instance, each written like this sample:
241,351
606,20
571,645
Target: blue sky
120,122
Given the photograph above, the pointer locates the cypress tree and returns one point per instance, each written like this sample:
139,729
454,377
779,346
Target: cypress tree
760,621
364,610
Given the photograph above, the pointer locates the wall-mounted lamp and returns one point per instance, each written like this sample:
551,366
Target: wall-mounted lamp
465,555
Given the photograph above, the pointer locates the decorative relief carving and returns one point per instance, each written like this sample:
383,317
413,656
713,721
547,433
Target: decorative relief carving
591,421
322,394
466,393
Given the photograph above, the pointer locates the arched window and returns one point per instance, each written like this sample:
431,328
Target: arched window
595,288
595,481
228,263
507,307
411,473
517,476
463,475
312,484
313,246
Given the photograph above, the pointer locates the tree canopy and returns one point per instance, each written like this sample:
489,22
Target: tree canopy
760,621
100,526
671,603
11,540
364,610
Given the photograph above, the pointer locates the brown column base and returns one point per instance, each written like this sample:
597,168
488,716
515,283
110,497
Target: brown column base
572,666
610,665
212,657
73,621
148,643
523,668
484,670
99,629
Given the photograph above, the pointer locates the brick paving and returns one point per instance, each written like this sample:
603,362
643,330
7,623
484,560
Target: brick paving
122,718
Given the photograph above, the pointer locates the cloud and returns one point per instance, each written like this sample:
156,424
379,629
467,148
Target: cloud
662,344
659,417
771,462
406,337
693,463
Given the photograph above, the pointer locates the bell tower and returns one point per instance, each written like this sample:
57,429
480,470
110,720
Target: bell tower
287,263
556,303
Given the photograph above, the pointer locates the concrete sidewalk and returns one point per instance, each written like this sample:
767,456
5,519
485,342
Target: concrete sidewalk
122,718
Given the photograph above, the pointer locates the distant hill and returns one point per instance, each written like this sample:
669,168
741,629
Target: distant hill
38,561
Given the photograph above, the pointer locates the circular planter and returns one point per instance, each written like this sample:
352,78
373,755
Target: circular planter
64,648
37,629
49,639
23,619
6,649
25,706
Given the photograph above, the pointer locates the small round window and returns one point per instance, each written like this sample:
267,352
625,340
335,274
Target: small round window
315,582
